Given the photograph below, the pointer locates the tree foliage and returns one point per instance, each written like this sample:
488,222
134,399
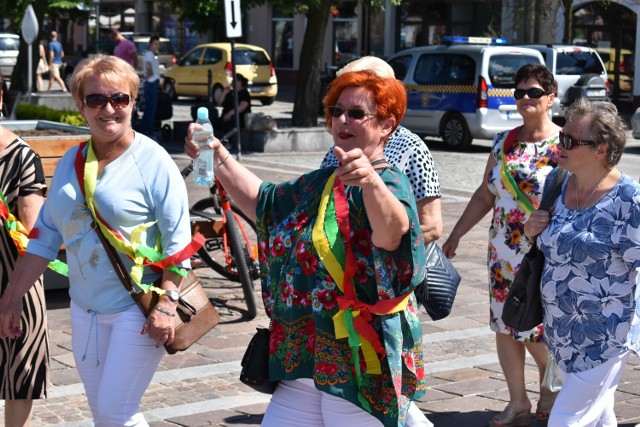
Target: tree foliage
45,11
203,12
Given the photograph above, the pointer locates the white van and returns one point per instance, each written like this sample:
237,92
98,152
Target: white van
461,91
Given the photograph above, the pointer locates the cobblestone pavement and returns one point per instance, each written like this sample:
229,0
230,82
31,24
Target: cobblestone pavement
200,387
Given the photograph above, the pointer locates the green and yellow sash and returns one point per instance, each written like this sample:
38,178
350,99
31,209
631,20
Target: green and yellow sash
142,255
506,177
18,234
354,319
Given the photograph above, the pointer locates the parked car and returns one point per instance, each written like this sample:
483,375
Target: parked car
189,77
635,124
579,71
625,70
166,55
9,48
461,91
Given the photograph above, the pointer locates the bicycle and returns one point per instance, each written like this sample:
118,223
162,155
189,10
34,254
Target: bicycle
230,246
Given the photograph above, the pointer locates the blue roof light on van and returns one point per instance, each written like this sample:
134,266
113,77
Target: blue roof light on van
474,40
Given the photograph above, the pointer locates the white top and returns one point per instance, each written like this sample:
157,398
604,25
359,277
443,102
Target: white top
150,57
141,186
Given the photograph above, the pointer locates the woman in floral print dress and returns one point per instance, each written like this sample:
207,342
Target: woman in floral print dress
341,252
512,187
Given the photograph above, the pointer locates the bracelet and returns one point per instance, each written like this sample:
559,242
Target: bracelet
225,159
163,311
531,242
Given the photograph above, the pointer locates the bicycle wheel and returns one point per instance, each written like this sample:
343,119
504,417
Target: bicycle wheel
212,252
240,254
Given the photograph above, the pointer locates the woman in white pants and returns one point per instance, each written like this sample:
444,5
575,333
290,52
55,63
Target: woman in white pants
589,286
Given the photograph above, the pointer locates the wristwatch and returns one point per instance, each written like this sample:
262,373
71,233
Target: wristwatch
173,294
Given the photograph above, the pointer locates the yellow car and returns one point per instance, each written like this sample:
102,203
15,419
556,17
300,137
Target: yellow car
626,70
189,77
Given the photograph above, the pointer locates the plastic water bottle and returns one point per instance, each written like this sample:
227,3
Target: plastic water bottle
203,164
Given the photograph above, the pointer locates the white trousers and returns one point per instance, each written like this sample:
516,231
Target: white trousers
298,402
587,398
116,363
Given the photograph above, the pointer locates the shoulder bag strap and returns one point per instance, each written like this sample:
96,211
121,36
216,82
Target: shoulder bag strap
549,197
117,263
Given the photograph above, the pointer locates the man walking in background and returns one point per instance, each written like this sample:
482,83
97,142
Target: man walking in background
55,61
125,48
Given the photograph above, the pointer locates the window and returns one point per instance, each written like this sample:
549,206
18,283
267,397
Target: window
503,68
192,58
401,65
283,42
578,63
462,70
212,56
430,69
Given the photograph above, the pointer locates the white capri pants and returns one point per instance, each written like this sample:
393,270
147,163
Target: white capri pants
587,398
299,402
116,363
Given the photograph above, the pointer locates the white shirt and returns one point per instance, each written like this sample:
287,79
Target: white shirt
151,57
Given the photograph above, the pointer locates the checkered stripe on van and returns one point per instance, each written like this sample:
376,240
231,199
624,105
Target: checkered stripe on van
443,88
501,92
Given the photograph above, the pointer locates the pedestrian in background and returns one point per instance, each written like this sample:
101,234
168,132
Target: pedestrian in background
516,170
116,349
227,121
151,68
24,361
591,246
55,61
125,49
43,66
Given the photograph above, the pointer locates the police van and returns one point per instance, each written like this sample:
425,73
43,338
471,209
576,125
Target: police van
463,90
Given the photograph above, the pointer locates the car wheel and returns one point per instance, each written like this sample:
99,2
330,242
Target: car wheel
455,132
216,93
170,90
268,100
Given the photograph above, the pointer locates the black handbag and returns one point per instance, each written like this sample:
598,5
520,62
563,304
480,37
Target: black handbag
255,363
523,306
438,290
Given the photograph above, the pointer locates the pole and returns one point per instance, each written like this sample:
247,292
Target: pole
235,97
96,3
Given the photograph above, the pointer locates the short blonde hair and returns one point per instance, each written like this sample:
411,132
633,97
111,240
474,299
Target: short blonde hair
106,67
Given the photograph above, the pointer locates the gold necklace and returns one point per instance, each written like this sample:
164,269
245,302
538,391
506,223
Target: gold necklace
586,203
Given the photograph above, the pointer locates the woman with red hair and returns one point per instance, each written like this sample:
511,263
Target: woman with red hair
340,253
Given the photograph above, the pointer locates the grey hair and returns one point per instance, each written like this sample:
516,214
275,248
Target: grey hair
606,125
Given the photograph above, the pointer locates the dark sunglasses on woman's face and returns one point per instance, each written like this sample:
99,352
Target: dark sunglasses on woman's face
97,100
533,93
568,142
354,113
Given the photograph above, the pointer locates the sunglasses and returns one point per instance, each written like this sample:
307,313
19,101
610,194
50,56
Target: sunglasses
354,113
117,101
568,142
533,93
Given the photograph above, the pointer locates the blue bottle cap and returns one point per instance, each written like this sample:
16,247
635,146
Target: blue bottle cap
203,113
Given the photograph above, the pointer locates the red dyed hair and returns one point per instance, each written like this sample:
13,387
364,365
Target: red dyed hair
388,93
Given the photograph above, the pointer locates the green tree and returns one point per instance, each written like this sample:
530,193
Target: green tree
43,9
307,96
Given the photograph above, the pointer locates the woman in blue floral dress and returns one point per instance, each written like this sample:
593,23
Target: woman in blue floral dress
341,251
591,244
514,177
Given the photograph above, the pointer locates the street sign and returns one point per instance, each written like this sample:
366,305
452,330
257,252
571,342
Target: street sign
233,18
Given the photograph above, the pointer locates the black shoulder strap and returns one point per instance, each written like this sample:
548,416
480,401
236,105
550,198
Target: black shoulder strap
553,191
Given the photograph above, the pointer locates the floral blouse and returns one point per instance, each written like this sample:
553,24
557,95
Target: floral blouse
589,283
300,296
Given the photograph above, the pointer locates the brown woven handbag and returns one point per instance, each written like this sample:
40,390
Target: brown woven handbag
195,314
